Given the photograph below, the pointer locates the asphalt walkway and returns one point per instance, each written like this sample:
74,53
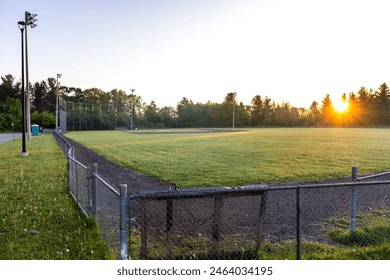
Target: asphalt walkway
5,137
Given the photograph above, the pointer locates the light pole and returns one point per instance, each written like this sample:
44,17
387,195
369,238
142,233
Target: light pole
57,100
234,101
131,111
22,26
29,20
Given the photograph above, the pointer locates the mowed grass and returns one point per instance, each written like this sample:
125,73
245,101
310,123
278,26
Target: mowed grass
244,157
38,219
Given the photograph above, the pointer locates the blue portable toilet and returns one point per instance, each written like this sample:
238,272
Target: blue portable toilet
35,130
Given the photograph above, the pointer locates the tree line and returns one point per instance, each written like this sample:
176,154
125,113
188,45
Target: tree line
95,109
364,108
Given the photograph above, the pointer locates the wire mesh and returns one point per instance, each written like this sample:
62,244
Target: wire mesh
62,142
280,217
263,226
328,222
79,186
211,227
107,213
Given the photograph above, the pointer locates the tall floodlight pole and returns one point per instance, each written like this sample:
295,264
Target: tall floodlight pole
234,101
57,101
29,20
22,26
131,111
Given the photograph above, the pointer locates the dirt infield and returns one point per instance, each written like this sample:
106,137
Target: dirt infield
116,174
191,131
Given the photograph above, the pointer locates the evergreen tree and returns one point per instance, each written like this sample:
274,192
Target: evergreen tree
327,111
39,97
8,88
186,113
364,107
382,105
315,114
256,111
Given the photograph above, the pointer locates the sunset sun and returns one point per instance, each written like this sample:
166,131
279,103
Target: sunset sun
340,105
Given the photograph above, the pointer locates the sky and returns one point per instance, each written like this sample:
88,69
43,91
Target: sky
291,51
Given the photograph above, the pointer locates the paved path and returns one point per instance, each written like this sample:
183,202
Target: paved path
4,137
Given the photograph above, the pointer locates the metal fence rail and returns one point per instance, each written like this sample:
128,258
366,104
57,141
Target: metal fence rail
66,147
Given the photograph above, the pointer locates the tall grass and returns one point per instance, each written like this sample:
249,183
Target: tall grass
38,219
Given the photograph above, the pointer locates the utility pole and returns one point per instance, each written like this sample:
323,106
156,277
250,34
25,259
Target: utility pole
234,101
132,111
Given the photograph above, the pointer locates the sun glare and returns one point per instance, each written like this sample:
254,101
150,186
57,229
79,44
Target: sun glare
340,105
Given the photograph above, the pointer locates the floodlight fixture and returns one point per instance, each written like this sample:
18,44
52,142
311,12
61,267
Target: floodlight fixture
21,25
30,19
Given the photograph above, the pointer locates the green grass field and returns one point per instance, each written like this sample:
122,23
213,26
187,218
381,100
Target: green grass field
229,158
38,219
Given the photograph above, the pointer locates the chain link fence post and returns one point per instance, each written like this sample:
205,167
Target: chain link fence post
299,224
70,168
262,212
123,221
169,224
352,213
77,185
93,189
88,189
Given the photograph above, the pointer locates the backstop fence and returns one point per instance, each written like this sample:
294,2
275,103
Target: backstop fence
347,220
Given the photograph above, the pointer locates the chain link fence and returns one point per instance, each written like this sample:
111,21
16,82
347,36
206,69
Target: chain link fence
202,223
79,185
347,220
97,199
344,221
319,221
108,212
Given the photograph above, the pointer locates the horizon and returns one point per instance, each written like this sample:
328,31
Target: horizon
340,104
